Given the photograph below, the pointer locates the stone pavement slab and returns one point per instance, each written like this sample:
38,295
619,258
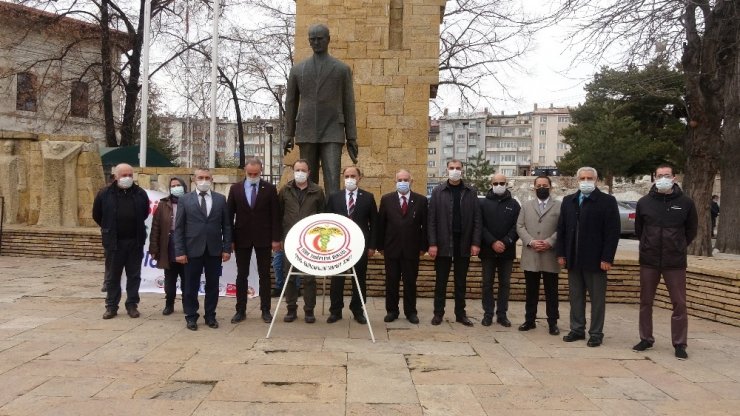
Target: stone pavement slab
58,357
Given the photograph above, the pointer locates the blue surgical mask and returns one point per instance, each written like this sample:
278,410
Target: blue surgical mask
664,184
403,187
586,187
177,191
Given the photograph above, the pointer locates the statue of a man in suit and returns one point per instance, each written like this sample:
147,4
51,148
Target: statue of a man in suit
320,110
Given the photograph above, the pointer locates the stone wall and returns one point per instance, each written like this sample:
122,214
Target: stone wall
53,192
393,50
713,292
158,179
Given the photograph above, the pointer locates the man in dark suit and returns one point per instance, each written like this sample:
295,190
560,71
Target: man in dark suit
255,213
320,110
587,239
202,242
360,206
402,238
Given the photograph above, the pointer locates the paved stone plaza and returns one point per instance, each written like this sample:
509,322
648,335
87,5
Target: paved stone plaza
58,357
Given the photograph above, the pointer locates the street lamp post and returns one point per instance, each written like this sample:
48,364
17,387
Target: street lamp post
268,151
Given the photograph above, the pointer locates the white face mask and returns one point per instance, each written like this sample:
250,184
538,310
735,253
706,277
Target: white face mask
300,177
664,184
454,174
125,182
586,187
350,184
203,186
253,181
177,190
499,189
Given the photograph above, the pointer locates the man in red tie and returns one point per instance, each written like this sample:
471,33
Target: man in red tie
359,205
402,238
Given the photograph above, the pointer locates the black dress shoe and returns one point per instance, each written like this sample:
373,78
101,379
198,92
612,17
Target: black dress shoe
168,309
504,321
309,318
437,319
266,317
464,320
333,318
594,342
275,293
238,317
554,330
390,317
681,352
526,326
360,319
291,316
213,323
110,313
192,325
413,319
643,345
486,321
572,336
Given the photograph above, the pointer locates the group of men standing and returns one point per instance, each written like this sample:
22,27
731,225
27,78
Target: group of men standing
195,232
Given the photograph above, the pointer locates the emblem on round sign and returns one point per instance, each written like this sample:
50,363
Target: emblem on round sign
324,244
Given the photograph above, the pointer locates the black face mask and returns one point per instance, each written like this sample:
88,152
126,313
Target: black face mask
543,193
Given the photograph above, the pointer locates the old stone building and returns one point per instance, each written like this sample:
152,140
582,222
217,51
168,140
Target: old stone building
50,73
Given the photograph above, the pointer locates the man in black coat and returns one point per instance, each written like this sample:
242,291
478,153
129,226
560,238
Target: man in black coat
666,223
454,226
499,212
588,235
402,238
120,210
359,205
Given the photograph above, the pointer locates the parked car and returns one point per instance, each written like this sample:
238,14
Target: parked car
626,218
632,204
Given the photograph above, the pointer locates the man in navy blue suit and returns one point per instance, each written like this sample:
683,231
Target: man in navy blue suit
202,243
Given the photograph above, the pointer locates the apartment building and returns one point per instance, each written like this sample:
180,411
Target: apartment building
547,142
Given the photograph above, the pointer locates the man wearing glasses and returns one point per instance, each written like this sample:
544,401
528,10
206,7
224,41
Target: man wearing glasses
499,212
537,227
666,223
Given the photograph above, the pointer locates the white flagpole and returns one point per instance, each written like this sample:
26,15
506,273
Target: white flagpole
145,83
214,83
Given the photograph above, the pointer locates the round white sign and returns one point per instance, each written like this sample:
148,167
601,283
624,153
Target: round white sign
324,244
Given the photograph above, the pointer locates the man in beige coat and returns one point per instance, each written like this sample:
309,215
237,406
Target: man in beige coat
537,227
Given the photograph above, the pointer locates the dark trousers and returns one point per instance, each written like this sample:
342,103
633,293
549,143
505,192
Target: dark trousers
191,286
330,155
243,260
532,281
675,281
291,290
442,267
493,266
336,293
108,260
579,282
395,270
127,255
170,281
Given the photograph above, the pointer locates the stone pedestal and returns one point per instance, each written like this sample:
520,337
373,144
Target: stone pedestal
392,47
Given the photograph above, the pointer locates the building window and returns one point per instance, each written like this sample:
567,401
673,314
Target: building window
26,92
432,151
431,164
563,119
543,132
543,119
542,146
562,146
80,99
432,137
508,158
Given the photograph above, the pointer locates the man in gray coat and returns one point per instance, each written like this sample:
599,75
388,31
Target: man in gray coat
320,110
537,227
202,243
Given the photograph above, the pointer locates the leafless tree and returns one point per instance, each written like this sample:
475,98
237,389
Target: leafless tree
700,35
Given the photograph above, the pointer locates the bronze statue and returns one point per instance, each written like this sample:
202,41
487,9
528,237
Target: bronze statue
320,110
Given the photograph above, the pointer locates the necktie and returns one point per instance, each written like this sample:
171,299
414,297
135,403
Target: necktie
404,205
253,197
203,206
350,205
542,207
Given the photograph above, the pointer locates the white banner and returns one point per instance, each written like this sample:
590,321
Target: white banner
152,278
